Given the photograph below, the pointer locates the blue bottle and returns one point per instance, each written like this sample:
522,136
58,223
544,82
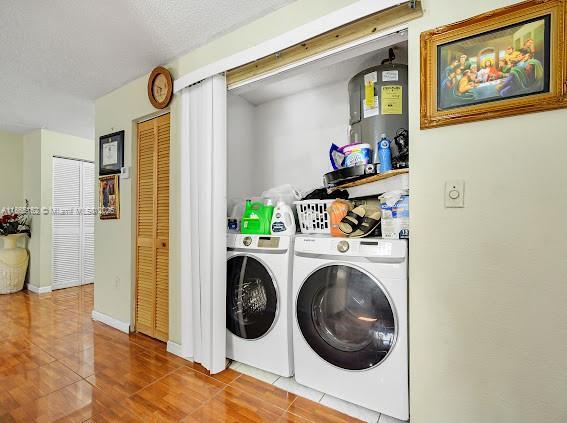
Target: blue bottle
385,154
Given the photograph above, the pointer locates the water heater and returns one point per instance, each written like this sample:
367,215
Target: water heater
378,99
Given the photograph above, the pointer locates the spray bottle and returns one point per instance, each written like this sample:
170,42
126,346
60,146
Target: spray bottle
385,154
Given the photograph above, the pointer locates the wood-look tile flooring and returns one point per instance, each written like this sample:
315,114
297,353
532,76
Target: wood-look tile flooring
56,364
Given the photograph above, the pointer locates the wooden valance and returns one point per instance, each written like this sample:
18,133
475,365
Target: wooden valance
356,30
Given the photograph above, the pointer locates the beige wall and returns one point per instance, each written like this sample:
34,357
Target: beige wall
114,239
11,150
488,283
39,147
11,172
31,165
63,145
121,109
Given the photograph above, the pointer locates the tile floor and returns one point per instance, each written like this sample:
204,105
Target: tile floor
290,385
56,364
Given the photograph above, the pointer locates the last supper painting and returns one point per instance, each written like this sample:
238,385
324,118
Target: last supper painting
508,62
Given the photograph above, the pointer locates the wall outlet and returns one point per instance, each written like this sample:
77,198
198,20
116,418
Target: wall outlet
455,194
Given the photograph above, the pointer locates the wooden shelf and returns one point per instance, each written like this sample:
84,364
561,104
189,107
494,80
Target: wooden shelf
377,184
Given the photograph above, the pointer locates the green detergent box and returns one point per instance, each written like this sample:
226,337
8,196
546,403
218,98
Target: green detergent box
257,218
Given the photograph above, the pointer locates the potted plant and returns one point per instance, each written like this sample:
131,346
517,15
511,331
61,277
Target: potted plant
13,260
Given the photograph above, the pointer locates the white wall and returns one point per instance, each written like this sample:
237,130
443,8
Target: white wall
285,141
488,283
241,148
294,134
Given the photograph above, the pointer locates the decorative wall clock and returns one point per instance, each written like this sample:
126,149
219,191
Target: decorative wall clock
160,87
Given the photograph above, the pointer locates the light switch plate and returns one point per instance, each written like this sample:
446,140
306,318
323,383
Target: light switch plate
455,193
125,172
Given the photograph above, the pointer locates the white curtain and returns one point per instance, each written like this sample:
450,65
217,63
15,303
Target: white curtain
203,223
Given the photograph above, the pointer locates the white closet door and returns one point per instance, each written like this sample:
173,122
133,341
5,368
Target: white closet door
66,223
73,223
88,240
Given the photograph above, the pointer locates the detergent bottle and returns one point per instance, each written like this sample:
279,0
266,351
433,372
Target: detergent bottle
256,218
283,221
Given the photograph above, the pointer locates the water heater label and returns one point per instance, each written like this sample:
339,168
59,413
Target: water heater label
371,77
389,75
392,100
372,111
370,98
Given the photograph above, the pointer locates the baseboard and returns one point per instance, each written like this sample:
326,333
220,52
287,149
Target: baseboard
111,321
175,349
38,289
66,285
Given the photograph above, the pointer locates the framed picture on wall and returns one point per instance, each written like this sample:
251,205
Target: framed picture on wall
109,197
501,63
111,153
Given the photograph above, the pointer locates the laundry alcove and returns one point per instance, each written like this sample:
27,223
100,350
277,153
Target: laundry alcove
282,115
279,132
279,129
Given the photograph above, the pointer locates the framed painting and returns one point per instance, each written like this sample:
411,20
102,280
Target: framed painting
111,153
505,62
109,197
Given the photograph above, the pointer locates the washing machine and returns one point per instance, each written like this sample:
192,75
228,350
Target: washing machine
258,302
350,325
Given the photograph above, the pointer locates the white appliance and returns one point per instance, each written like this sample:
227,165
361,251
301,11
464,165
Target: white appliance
258,301
350,326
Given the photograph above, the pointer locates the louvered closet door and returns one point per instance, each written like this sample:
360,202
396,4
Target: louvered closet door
72,223
152,246
162,227
66,224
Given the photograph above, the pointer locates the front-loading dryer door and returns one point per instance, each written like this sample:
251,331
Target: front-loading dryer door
251,297
346,317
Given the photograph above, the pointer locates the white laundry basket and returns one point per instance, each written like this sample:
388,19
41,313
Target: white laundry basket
313,216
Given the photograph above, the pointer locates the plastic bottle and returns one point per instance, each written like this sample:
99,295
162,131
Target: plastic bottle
283,221
384,154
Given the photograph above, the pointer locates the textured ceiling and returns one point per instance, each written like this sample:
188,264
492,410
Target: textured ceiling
58,56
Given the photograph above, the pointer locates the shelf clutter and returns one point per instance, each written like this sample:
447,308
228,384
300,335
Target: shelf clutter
392,180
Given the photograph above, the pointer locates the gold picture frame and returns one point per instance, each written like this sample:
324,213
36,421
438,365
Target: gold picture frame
460,81
109,197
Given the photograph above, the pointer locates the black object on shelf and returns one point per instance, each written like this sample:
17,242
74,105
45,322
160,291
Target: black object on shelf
348,174
322,194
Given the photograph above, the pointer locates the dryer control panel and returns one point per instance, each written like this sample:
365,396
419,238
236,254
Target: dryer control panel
371,248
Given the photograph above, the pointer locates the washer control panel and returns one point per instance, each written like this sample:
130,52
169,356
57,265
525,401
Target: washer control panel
258,242
268,242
